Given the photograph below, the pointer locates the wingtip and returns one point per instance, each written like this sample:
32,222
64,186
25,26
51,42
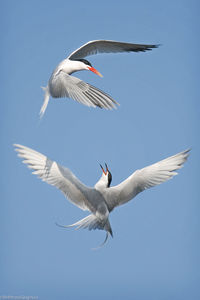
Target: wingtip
157,45
17,147
186,152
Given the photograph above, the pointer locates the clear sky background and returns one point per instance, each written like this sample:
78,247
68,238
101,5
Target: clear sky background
155,250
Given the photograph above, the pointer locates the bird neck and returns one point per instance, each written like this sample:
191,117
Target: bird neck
70,66
102,183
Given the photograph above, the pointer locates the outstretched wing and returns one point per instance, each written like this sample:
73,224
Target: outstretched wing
145,178
64,85
103,46
56,175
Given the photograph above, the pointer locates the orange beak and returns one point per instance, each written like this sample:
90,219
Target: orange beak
95,71
105,172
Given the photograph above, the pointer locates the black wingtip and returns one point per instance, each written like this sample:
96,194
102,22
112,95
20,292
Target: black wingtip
157,45
143,48
150,47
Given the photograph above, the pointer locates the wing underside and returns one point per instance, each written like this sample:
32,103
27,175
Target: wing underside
56,175
64,85
145,178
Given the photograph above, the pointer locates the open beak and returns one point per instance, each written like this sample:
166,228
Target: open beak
103,169
106,167
95,71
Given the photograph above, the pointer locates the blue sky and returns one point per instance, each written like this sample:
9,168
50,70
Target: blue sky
155,250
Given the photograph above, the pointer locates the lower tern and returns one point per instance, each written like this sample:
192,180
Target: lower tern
101,199
61,84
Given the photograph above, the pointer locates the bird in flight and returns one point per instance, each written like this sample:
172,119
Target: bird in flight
62,84
101,199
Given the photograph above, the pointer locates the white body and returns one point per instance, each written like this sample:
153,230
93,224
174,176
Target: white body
61,84
101,199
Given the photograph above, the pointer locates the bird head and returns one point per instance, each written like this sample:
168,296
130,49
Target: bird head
106,178
89,67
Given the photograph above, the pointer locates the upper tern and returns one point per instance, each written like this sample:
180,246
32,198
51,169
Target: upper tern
101,199
61,84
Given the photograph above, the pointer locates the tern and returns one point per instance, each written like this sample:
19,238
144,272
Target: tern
61,84
101,199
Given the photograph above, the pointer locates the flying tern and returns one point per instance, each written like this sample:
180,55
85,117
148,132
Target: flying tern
61,84
101,199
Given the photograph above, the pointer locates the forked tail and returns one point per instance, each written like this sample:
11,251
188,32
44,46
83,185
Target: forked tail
91,222
46,101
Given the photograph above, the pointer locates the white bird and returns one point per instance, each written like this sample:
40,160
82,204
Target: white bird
61,84
101,199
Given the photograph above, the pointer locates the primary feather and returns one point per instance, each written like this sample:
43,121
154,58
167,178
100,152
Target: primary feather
62,84
145,178
101,199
